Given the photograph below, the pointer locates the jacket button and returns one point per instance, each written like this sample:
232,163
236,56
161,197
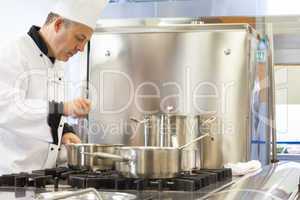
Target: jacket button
52,149
41,55
59,149
59,78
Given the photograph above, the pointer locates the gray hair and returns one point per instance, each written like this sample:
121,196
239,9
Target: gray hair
53,16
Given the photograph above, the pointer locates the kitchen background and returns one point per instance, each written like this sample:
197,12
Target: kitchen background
283,27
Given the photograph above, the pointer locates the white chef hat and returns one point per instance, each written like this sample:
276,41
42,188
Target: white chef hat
82,11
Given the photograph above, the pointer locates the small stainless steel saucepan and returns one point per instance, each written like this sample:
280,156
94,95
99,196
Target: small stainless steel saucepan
144,162
78,160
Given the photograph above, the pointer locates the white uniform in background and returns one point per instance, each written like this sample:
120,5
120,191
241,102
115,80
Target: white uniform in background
259,127
28,80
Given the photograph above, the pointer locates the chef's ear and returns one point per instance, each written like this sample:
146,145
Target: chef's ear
58,23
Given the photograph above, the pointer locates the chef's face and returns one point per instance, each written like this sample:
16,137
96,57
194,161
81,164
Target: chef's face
69,39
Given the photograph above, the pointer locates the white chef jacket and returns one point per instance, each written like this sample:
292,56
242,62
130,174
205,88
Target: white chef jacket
28,81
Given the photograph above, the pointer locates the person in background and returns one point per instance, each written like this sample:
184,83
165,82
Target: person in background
32,106
260,107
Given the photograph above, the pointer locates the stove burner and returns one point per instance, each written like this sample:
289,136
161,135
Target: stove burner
222,174
25,180
61,172
185,181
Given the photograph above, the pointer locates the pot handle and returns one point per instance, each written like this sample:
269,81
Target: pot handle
139,121
209,120
102,155
193,141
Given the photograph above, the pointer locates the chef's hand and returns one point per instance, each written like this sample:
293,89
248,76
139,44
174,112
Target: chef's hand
70,138
79,107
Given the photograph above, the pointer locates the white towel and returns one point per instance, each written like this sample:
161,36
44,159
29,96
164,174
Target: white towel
242,168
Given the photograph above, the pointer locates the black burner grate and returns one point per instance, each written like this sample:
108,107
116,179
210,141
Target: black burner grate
25,180
109,179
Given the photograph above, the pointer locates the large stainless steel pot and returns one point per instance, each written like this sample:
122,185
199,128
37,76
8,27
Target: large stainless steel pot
163,129
174,130
77,160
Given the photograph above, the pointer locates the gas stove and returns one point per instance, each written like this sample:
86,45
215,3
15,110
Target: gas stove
275,181
185,181
194,184
110,179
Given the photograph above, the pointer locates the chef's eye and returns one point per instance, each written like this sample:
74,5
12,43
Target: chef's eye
79,39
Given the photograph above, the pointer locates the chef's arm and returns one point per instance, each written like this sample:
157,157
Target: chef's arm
55,114
20,115
78,107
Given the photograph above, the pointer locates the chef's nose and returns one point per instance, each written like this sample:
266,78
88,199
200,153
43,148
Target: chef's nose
80,47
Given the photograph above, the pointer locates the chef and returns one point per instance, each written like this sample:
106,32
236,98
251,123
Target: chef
32,105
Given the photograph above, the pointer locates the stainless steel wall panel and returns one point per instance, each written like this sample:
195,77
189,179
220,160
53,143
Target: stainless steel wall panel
201,69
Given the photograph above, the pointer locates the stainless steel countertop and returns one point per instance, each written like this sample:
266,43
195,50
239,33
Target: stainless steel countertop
276,181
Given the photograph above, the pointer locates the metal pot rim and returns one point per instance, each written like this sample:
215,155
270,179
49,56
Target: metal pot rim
146,148
95,145
180,114
167,114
